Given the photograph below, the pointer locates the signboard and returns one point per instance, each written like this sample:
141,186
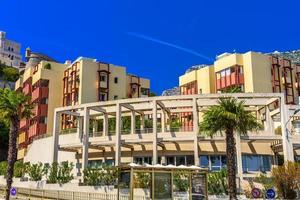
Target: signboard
256,193
13,191
270,194
198,187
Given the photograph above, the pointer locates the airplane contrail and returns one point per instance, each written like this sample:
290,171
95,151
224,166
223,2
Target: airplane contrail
145,37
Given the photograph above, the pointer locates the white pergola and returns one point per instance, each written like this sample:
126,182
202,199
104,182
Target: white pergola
163,107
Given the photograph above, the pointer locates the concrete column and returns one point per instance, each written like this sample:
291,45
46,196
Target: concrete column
85,139
239,162
288,151
95,127
55,138
168,121
269,125
118,135
163,121
196,131
154,119
142,122
132,128
105,124
79,128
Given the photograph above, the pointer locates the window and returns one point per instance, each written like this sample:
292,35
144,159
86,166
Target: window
180,160
256,163
102,78
102,97
115,97
94,164
144,91
213,162
116,79
143,160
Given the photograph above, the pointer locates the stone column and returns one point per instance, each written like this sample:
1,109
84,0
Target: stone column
55,139
239,161
79,128
118,135
163,121
154,119
85,139
196,131
269,122
132,121
142,123
105,124
95,127
288,151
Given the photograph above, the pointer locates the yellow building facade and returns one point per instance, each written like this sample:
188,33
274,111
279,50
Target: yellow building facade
51,85
252,72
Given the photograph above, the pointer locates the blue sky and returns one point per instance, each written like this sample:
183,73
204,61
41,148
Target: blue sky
154,39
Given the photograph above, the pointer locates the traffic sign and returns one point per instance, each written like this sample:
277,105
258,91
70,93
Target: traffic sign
256,193
13,191
270,194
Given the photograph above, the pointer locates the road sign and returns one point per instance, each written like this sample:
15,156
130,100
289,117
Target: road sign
270,194
256,193
13,191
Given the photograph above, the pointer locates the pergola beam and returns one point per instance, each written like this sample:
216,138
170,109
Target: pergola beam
130,107
163,107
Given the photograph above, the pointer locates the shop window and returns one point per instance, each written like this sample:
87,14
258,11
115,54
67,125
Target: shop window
256,163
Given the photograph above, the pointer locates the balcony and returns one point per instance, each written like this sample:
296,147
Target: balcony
230,80
26,89
39,93
40,110
37,129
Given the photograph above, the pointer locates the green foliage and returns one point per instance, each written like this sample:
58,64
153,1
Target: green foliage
181,181
228,114
217,182
10,74
92,177
20,169
11,103
47,66
107,175
142,180
60,173
286,179
111,125
36,172
3,168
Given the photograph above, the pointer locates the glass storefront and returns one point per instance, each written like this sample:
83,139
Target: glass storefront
256,163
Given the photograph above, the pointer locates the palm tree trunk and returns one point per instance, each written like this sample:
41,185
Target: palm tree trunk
12,154
231,166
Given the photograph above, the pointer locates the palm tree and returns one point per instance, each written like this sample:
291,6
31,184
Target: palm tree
13,107
229,116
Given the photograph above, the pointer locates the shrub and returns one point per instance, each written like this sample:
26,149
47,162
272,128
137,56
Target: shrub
19,169
36,172
92,177
107,175
181,181
60,173
3,168
286,179
65,172
142,180
217,182
53,171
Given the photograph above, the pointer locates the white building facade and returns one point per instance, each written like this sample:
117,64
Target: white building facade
94,142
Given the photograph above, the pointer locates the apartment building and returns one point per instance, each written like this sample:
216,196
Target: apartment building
251,72
10,51
51,85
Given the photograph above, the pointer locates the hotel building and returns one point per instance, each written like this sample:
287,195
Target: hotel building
89,131
51,85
